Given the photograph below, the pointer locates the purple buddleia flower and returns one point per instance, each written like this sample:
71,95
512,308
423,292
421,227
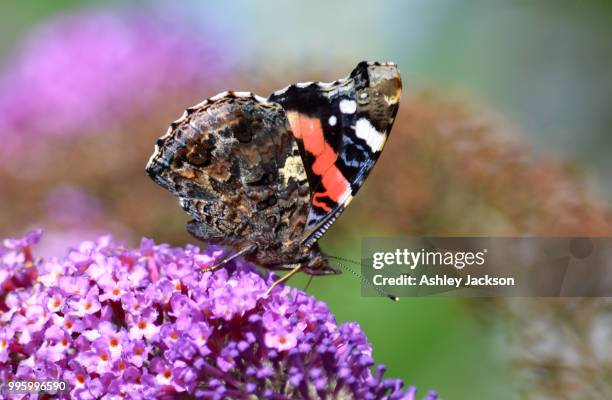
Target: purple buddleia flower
178,331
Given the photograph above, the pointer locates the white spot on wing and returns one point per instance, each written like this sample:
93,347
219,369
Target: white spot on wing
374,139
325,84
183,117
242,94
261,99
348,106
153,157
303,84
281,91
293,168
332,120
219,96
201,104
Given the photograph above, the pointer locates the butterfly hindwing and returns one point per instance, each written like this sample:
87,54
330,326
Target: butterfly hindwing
341,128
235,166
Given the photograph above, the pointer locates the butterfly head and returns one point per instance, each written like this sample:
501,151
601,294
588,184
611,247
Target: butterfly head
315,262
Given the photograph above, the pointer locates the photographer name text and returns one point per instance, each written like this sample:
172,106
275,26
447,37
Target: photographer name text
427,261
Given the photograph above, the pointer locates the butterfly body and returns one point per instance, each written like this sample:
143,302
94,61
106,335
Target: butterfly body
267,177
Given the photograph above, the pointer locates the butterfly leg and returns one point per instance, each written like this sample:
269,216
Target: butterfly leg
245,250
295,270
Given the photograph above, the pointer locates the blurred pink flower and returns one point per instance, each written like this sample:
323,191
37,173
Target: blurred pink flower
70,205
83,73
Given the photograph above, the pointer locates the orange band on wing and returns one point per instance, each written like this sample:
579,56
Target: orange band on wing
310,132
336,186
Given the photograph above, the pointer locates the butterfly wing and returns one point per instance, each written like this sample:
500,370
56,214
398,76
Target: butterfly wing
235,166
341,128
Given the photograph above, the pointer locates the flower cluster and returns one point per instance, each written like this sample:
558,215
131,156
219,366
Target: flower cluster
16,266
152,322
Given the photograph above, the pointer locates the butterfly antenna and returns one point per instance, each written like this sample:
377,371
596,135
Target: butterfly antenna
361,278
308,283
348,260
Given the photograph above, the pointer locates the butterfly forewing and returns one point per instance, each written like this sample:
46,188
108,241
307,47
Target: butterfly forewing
341,128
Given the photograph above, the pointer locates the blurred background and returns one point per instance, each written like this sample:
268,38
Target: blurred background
504,129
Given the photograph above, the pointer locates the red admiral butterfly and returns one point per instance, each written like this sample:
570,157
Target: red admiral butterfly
268,177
